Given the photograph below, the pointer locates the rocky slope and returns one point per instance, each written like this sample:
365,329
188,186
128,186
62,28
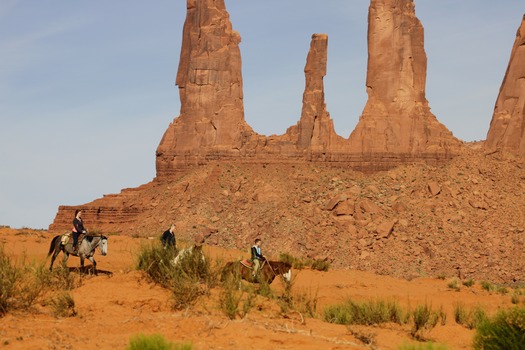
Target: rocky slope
465,218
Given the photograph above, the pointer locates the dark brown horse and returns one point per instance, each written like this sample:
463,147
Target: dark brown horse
267,272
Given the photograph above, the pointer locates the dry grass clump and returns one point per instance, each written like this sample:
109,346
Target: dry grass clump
188,279
24,284
469,318
300,263
155,342
376,312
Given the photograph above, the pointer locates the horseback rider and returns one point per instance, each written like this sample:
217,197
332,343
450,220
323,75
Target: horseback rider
257,256
168,238
78,228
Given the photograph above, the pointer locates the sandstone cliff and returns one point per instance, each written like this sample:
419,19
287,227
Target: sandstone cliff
507,128
397,119
211,122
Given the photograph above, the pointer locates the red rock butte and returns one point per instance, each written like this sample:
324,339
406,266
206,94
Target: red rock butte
396,126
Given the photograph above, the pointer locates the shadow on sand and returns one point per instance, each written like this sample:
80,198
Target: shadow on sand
89,270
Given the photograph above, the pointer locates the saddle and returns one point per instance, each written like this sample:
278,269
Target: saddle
247,263
67,240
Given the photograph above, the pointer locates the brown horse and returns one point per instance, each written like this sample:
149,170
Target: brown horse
267,272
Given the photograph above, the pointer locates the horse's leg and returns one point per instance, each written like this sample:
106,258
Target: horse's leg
56,251
92,259
81,263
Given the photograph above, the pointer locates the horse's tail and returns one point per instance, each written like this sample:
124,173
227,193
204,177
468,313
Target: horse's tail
53,245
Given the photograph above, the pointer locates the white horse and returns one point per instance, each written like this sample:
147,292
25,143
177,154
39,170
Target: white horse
86,249
191,252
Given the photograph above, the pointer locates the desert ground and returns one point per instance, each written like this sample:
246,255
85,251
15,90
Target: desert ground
119,303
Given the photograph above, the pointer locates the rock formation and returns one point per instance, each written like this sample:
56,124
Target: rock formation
315,131
507,128
396,120
211,122
396,126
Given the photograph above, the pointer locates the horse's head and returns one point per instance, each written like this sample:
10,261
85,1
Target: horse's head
103,245
288,274
282,268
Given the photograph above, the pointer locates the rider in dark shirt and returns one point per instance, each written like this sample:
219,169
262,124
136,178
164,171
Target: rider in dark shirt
78,228
168,237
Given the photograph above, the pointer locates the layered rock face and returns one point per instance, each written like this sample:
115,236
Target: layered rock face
396,120
211,122
507,128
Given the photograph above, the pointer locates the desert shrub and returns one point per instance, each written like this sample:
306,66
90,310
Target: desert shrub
468,283
296,263
306,303
34,282
424,318
265,290
454,285
321,265
441,276
476,317
63,305
460,314
364,313
303,302
21,286
9,278
155,342
155,261
502,290
469,318
61,278
442,316
489,287
506,330
425,346
515,298
190,278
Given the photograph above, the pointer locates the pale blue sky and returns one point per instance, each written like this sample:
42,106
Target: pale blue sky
87,87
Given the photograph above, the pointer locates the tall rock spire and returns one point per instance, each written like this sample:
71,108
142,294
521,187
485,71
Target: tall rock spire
507,128
397,118
315,130
211,121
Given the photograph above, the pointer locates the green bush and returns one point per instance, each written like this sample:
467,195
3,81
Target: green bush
506,331
296,263
468,283
425,346
424,318
469,318
460,314
155,342
489,287
364,313
9,279
321,265
21,286
190,278
155,261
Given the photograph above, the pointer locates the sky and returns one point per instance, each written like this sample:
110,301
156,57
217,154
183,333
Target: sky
87,88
